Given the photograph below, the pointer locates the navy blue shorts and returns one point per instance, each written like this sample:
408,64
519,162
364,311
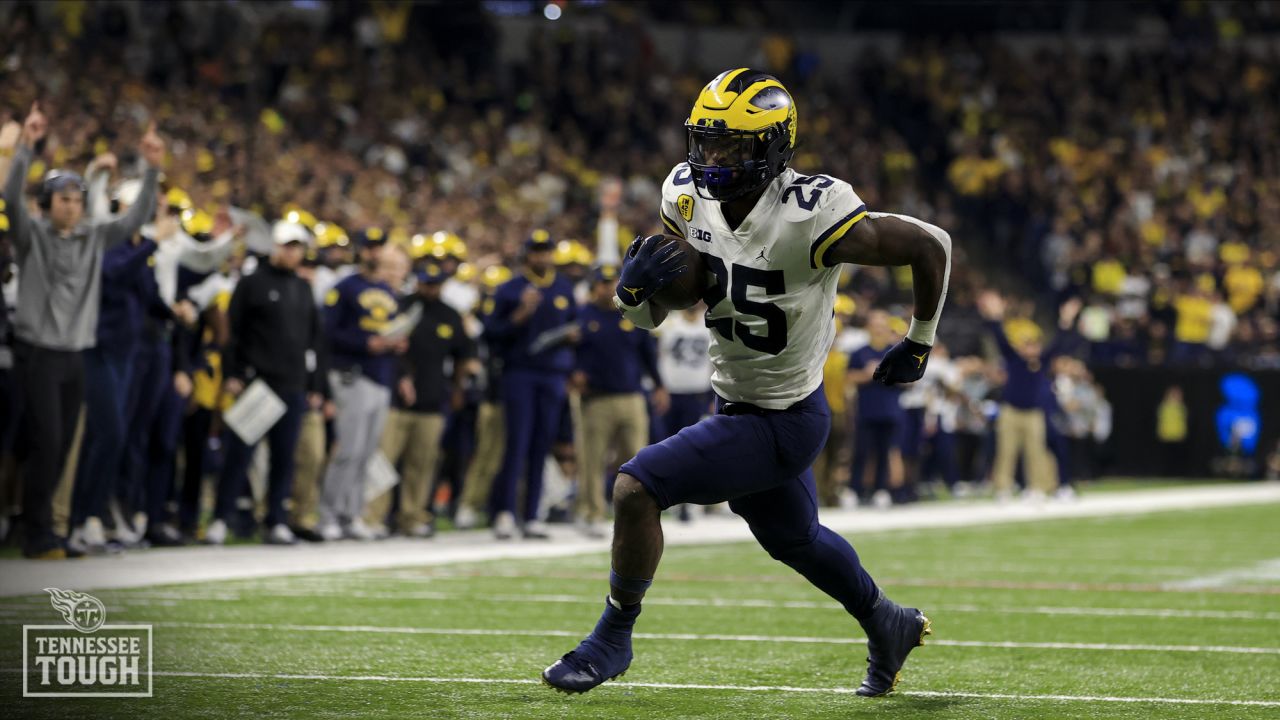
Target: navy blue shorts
725,457
912,433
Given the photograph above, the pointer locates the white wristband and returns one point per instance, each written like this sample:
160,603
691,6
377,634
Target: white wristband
923,331
639,315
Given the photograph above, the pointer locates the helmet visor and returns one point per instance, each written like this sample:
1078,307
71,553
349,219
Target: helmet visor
715,150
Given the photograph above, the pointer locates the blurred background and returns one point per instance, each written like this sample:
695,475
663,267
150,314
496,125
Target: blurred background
1117,159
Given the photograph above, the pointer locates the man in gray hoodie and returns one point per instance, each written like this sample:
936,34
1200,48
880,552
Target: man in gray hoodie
59,259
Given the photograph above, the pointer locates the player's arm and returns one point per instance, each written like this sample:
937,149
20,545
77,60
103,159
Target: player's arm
888,239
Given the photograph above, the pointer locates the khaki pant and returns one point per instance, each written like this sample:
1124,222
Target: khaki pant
490,438
415,437
1022,432
308,462
617,421
827,466
61,510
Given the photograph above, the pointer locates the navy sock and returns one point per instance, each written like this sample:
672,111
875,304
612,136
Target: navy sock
637,586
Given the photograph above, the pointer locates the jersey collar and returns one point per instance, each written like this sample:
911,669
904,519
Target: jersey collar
537,281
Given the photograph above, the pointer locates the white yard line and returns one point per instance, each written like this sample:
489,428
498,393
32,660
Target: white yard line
787,639
168,599
727,688
1267,571
202,564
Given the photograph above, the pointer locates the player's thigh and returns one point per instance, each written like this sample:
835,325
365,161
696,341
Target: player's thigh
717,459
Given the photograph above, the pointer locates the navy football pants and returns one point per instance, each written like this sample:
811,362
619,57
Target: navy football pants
532,403
761,464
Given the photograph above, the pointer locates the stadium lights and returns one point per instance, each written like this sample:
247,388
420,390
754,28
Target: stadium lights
551,11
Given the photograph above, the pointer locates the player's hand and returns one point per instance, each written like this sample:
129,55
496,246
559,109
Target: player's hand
991,305
152,147
378,344
1068,313
186,313
647,268
9,135
182,384
35,126
233,387
661,401
408,392
106,162
904,363
530,299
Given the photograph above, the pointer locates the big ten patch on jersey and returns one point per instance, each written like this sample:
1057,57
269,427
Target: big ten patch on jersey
378,307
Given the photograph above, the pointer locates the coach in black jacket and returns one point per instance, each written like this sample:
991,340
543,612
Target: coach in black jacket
276,336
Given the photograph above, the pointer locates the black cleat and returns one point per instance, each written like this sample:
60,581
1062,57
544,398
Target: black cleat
603,655
892,633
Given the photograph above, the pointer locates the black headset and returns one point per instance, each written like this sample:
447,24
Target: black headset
45,199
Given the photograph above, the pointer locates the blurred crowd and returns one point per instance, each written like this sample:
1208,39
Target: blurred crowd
440,205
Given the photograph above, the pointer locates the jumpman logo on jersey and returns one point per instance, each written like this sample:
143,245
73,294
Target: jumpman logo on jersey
761,256
920,358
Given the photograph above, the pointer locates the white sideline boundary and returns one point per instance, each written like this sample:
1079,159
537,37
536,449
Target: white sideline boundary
715,637
145,598
726,688
162,566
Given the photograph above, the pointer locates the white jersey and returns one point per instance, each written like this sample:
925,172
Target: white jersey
683,359
771,295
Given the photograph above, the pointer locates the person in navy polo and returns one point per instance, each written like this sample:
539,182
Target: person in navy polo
613,358
879,418
532,328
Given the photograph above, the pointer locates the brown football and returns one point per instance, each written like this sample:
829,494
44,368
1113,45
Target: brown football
686,290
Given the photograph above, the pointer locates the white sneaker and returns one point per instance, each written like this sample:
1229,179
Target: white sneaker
465,518
92,534
329,532
216,533
594,530
504,526
1033,496
1066,493
848,499
357,530
140,524
535,530
423,530
280,534
1004,496
881,499
75,541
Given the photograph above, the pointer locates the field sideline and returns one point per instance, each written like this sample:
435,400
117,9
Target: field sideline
1163,603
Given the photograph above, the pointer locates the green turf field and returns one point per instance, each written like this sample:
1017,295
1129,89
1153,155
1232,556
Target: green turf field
1169,615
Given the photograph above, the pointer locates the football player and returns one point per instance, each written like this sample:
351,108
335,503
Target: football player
772,241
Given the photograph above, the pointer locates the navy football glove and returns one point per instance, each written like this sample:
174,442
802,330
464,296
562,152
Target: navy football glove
648,268
904,363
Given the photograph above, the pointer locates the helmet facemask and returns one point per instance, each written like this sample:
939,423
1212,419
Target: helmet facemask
728,164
